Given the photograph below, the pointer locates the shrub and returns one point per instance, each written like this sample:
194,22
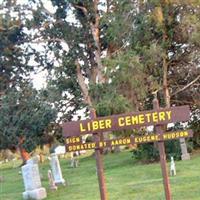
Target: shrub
149,152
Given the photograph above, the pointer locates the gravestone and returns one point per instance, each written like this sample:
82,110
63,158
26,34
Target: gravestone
32,182
52,184
185,155
74,159
56,170
34,160
172,167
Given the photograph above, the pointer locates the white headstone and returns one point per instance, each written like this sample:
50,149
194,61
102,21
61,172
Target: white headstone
52,184
74,160
172,167
60,150
33,160
32,182
56,170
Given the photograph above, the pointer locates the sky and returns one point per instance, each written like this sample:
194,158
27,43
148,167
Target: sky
39,80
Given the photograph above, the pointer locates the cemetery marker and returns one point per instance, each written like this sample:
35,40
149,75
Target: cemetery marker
157,117
56,170
32,182
126,121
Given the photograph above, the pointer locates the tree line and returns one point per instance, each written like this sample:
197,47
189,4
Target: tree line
111,55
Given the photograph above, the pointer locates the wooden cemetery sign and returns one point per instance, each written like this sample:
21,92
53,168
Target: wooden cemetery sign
127,121
157,117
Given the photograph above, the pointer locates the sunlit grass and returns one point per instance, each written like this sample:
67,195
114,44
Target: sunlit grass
125,180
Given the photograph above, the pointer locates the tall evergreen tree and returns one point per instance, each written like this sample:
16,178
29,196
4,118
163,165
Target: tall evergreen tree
24,118
164,35
24,114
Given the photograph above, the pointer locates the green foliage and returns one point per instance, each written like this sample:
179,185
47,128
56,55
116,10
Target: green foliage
12,64
125,73
172,148
194,124
149,152
107,101
158,31
118,23
24,114
146,153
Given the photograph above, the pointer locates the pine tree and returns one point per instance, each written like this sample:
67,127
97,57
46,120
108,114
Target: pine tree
24,118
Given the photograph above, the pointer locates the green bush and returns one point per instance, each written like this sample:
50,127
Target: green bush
194,124
149,152
146,153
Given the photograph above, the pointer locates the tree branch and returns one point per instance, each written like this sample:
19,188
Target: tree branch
187,86
82,8
83,85
48,40
107,6
182,101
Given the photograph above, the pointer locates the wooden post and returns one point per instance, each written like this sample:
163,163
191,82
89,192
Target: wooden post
99,163
161,148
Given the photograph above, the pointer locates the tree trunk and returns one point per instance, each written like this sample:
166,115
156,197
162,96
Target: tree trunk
94,26
184,153
24,155
96,73
165,83
83,85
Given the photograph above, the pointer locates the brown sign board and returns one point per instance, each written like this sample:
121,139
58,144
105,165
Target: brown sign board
130,140
127,121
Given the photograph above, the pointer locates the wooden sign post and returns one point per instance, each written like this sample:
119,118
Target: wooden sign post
96,126
161,148
99,163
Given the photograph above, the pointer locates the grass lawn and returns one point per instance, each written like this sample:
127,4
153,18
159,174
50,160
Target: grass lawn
125,180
